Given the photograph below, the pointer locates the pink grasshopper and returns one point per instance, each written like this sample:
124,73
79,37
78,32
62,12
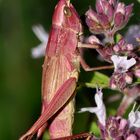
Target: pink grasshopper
60,73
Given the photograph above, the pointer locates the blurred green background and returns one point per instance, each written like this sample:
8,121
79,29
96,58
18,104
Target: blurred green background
20,75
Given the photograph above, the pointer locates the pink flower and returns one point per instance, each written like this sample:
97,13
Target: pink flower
122,64
100,110
134,117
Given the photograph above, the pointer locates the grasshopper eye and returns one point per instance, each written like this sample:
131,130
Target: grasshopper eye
67,11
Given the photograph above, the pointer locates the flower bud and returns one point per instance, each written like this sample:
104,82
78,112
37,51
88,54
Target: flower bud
91,14
121,42
123,124
123,47
128,79
120,8
128,12
122,15
99,6
113,83
104,7
130,47
93,22
137,73
119,15
93,40
112,2
131,137
118,20
116,48
103,19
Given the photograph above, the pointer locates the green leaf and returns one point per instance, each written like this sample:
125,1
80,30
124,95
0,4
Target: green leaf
137,81
98,79
112,111
118,37
95,129
46,136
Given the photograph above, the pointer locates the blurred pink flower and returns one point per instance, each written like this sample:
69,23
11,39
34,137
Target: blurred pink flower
43,36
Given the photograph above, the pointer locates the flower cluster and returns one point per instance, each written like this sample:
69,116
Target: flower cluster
122,47
122,55
110,16
121,76
115,127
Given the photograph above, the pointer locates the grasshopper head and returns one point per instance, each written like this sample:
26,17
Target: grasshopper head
66,16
